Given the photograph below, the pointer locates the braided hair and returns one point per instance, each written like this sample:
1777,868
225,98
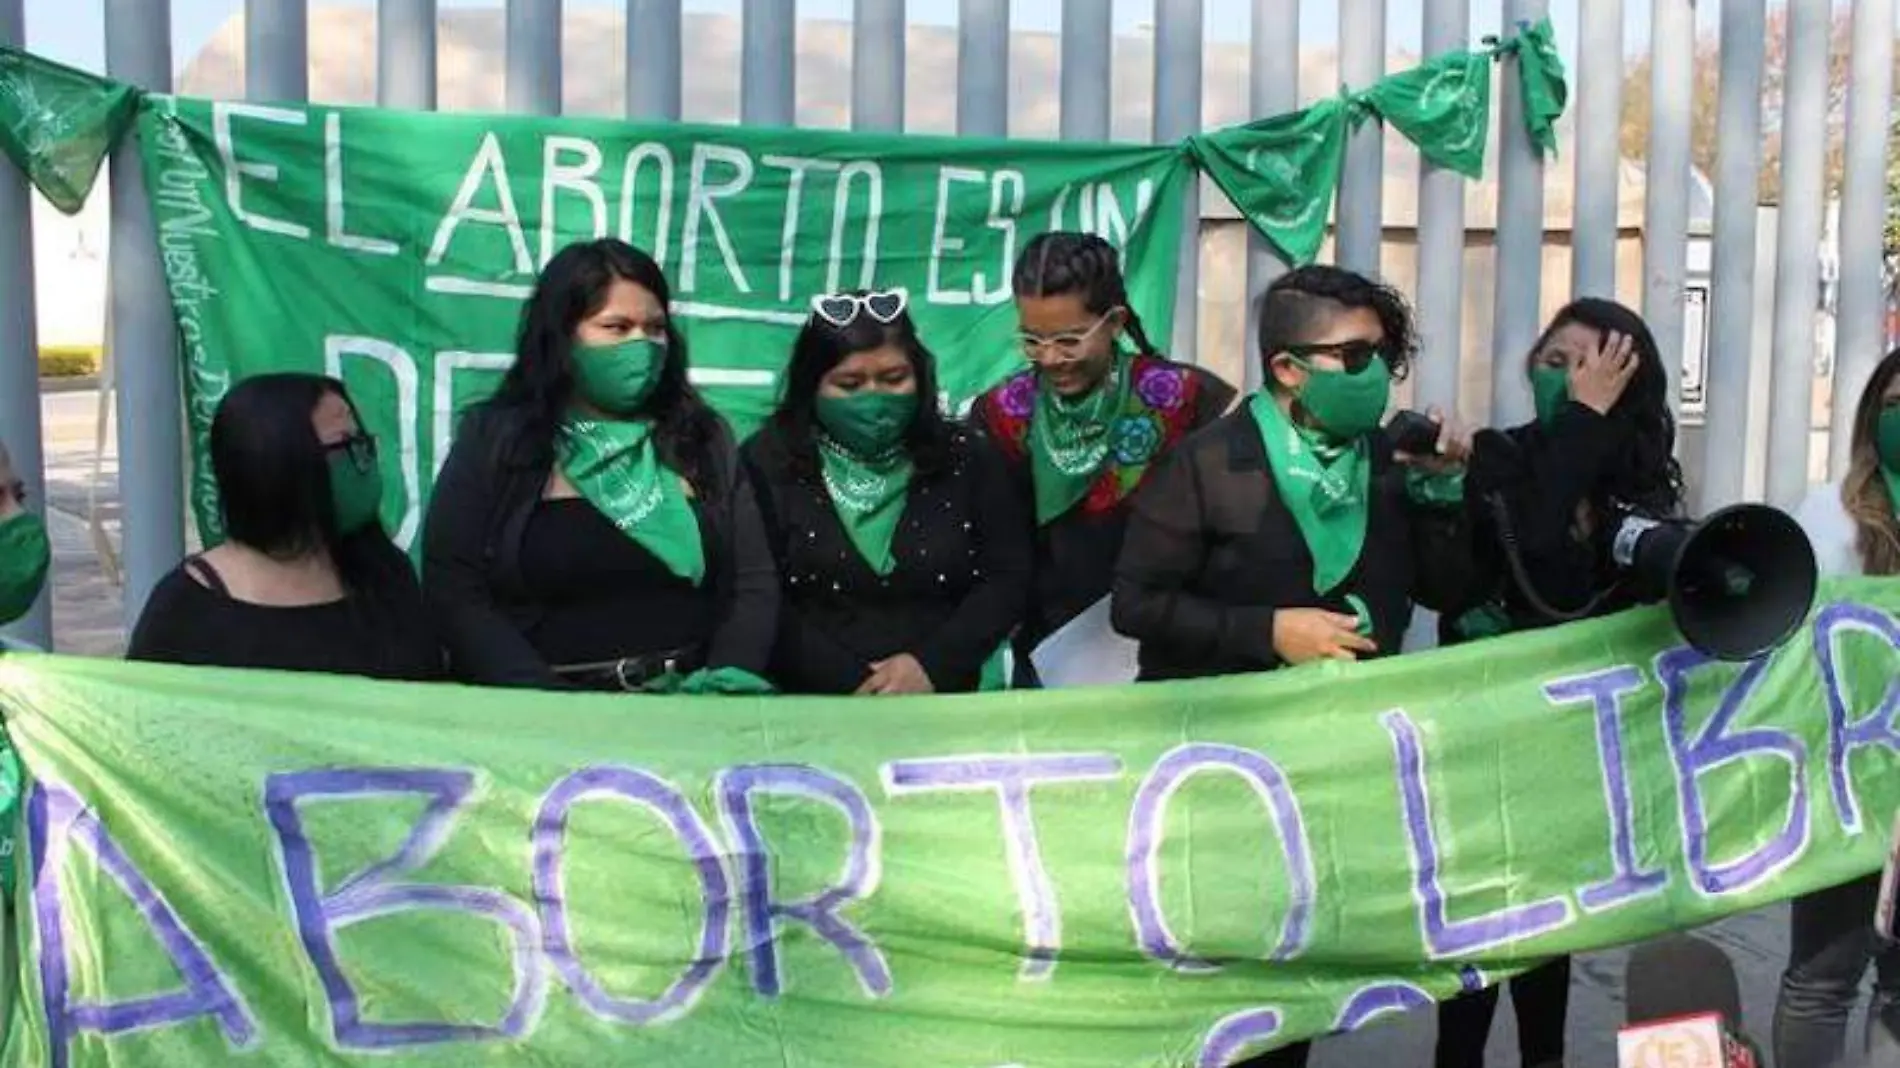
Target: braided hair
1066,262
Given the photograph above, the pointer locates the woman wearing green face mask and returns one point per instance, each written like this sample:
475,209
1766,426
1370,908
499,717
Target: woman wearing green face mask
1854,527
902,547
304,579
25,552
591,527
1602,443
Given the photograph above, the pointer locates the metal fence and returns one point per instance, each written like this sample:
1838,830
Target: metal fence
141,331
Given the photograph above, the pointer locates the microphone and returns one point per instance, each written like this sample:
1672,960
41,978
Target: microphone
1684,1006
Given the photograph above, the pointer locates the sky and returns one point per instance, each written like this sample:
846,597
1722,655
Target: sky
72,31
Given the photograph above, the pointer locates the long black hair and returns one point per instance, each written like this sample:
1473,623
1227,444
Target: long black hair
1647,476
821,347
539,387
1304,300
1065,262
274,476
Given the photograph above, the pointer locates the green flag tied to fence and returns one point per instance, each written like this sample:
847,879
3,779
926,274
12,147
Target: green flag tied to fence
247,867
394,249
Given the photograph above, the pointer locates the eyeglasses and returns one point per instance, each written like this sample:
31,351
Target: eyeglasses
1066,348
1355,356
360,448
842,309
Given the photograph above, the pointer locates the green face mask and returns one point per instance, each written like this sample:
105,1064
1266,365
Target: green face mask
1550,391
867,422
25,555
1887,439
356,494
618,378
1347,405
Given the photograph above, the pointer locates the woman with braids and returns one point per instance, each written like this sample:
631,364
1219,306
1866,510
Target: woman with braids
1291,531
903,547
1082,426
592,527
1544,500
1855,529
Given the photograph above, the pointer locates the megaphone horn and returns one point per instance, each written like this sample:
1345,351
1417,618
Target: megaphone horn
1739,582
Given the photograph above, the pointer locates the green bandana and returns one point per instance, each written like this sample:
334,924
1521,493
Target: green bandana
1327,487
1347,405
616,467
618,378
356,492
1069,440
867,422
1887,447
25,556
868,494
1550,391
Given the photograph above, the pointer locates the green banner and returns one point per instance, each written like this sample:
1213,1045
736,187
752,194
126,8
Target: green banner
229,867
393,249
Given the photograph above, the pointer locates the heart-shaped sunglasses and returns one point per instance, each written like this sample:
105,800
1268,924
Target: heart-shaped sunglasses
843,309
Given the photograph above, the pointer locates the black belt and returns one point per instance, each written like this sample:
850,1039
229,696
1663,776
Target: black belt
631,673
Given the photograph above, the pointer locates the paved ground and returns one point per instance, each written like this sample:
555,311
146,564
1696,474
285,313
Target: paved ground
88,620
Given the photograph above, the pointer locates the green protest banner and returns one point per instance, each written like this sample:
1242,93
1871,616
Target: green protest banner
228,867
393,249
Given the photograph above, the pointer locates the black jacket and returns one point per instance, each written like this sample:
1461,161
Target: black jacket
1212,552
1540,476
961,582
472,568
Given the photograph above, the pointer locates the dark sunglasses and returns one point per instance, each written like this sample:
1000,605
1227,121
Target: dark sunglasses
360,448
1354,356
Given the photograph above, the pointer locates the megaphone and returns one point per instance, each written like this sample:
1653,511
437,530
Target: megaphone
1738,583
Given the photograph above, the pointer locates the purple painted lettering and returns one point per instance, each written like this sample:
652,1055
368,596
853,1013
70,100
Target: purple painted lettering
1010,778
1445,937
375,891
1712,747
1243,1032
550,891
57,818
1605,691
1874,729
1145,838
1368,1003
859,880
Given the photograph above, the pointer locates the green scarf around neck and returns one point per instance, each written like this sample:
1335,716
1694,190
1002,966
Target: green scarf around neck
615,465
1325,484
1069,440
868,494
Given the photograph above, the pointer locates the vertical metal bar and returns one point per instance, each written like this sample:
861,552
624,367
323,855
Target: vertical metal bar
1666,198
1273,88
534,56
144,344
1520,240
19,345
276,50
1361,215
983,68
1797,250
653,59
1178,48
405,54
1441,239
768,49
1594,221
1088,52
1732,279
877,65
1860,314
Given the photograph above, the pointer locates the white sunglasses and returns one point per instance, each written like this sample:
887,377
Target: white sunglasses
842,309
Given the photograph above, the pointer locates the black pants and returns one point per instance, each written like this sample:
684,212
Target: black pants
1293,1056
1541,997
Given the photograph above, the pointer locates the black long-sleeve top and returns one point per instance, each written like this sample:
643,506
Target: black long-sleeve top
1544,476
1075,553
518,585
1212,552
960,583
